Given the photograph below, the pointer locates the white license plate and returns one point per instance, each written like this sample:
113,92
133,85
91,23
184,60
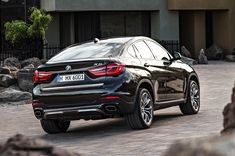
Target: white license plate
70,78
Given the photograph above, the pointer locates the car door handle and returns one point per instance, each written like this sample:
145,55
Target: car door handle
146,65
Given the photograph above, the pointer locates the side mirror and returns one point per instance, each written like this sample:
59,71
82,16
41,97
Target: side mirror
177,56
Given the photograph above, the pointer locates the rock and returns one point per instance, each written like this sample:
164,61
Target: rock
230,58
188,61
185,52
44,61
4,70
20,145
8,95
6,80
214,53
216,146
202,59
229,116
25,79
13,71
33,62
12,62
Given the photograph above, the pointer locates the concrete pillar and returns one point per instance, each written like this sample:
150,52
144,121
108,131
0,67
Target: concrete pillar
221,29
155,25
199,32
72,31
53,31
231,29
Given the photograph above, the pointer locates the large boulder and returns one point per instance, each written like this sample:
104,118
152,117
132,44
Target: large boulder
229,116
202,59
216,146
31,62
188,61
6,80
185,52
25,79
12,94
4,70
214,53
12,62
13,71
20,145
230,58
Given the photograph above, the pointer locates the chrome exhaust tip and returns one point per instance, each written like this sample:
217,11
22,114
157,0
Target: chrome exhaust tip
111,108
38,114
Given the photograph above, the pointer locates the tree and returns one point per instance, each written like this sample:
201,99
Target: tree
40,21
18,31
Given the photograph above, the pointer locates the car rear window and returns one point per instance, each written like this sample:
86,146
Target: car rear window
88,50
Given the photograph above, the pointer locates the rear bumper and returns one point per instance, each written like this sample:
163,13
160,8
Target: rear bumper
85,101
100,111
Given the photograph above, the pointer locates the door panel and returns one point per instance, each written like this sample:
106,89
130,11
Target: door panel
175,82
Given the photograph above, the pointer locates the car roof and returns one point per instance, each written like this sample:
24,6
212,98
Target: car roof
118,40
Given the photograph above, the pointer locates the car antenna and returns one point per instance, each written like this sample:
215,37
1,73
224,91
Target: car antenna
96,40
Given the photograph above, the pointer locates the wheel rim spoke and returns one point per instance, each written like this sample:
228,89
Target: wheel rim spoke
146,108
195,96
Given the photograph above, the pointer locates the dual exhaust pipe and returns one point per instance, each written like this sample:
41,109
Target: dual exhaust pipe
38,114
111,108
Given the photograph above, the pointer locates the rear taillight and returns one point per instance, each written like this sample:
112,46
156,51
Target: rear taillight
42,77
112,69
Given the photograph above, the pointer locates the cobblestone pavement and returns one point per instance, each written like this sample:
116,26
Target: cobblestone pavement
114,137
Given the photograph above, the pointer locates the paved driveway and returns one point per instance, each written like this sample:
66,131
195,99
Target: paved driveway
114,137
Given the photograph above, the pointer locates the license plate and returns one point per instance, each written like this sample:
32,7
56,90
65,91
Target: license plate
70,78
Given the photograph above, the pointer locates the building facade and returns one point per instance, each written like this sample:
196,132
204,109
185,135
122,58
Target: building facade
196,24
81,20
14,10
205,22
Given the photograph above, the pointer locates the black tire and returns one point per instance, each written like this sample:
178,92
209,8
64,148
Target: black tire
136,119
192,105
55,126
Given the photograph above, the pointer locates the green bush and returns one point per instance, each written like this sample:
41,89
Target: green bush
16,31
19,31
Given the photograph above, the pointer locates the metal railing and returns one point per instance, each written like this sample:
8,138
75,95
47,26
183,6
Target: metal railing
49,50
171,45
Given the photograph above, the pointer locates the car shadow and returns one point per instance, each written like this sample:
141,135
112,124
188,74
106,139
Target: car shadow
104,128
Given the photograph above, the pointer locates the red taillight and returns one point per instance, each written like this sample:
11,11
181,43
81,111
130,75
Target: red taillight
112,69
110,98
40,77
36,103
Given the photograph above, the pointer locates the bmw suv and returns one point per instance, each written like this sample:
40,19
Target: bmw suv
127,77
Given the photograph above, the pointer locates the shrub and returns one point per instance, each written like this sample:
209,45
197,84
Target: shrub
19,31
16,31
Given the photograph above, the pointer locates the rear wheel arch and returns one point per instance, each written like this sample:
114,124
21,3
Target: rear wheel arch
193,77
146,83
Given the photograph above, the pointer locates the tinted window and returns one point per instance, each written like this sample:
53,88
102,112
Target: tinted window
131,52
144,50
158,51
88,50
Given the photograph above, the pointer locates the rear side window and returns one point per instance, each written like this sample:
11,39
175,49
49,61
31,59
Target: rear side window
158,51
88,50
144,50
131,52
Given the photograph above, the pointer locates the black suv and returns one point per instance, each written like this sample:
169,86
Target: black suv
119,77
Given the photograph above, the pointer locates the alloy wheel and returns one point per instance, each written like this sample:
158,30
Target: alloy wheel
146,108
195,96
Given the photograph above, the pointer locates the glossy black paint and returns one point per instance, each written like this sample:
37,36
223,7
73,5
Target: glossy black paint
167,80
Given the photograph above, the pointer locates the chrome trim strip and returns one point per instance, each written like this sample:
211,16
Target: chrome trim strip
46,113
72,87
